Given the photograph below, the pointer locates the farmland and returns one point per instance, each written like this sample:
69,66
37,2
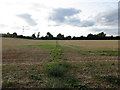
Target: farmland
93,63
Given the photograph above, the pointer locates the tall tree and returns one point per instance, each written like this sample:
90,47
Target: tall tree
14,35
101,35
49,36
68,37
8,34
33,36
38,35
90,36
60,36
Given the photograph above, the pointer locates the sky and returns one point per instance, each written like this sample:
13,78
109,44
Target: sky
68,17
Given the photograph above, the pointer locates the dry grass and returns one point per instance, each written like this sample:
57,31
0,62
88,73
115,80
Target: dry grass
90,50
91,44
15,51
22,58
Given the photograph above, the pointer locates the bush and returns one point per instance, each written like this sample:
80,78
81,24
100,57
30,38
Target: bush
57,69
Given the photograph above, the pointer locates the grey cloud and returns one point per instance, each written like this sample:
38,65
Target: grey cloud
73,21
78,23
3,25
17,27
59,14
107,18
64,16
86,23
28,19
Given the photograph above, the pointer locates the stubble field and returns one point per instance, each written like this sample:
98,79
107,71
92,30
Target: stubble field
93,63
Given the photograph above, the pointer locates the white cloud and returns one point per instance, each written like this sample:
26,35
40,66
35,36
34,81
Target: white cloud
37,12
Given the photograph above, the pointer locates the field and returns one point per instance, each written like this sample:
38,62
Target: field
93,63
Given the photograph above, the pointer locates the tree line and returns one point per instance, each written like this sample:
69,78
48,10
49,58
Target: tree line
49,36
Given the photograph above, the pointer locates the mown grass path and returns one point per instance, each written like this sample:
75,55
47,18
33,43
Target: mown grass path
57,70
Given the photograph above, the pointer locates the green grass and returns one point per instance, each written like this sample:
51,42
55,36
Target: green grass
112,79
56,67
44,46
56,54
107,53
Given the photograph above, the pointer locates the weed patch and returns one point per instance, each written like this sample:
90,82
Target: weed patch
57,69
63,82
56,53
35,77
111,79
44,46
108,53
100,52
10,82
53,82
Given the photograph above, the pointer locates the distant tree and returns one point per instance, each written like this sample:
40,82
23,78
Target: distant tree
3,35
81,37
8,34
117,37
68,37
38,35
60,36
33,36
48,33
43,38
74,38
20,36
101,35
49,36
14,35
92,37
111,36
89,36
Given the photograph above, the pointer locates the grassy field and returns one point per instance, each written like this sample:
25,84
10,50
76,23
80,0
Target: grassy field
27,63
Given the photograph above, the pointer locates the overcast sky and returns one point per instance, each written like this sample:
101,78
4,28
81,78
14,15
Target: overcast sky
69,17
